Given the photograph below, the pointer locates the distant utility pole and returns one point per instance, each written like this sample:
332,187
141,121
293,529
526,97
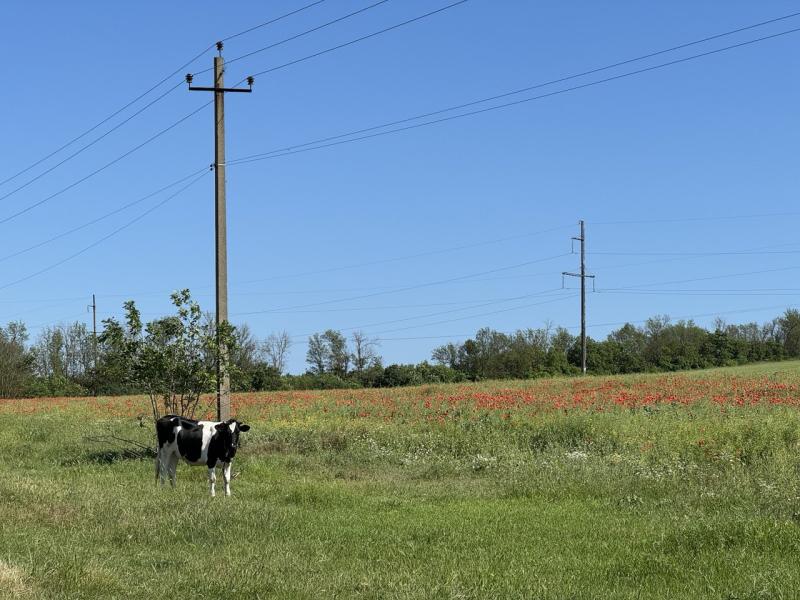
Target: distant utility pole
93,306
583,276
223,378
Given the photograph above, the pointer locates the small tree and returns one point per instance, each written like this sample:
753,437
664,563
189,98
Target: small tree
317,354
338,354
16,364
174,358
275,350
364,354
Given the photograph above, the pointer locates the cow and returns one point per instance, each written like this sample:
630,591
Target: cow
210,443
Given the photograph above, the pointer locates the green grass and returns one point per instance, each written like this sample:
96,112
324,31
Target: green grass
577,505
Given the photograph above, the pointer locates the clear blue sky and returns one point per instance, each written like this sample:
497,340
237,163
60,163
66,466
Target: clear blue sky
715,137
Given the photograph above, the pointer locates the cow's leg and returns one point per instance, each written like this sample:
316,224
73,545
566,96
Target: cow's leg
226,477
173,469
158,467
212,479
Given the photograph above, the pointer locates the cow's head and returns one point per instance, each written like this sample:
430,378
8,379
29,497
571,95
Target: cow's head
228,432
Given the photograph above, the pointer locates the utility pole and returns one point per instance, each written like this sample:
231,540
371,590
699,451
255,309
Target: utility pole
223,378
93,306
583,276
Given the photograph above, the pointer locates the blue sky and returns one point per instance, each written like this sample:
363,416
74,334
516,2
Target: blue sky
461,201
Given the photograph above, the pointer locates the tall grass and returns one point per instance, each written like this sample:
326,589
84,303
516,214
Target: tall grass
684,486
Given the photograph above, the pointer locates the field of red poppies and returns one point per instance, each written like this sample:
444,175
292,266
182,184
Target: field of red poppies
725,390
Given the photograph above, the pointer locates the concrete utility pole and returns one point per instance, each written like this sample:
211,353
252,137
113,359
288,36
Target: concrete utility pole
223,379
93,306
583,276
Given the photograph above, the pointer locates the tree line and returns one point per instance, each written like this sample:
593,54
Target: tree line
173,358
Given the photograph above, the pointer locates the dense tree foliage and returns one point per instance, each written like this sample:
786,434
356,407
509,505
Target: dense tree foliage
173,358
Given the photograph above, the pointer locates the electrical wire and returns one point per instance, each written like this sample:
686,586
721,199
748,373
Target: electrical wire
710,278
104,238
158,84
309,147
693,254
89,145
100,218
271,21
301,34
685,317
360,39
485,314
559,292
104,167
527,88
409,256
406,288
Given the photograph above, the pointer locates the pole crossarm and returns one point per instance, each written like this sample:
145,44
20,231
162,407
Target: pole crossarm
215,89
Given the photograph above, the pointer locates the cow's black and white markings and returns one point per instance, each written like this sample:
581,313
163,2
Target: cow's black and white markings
209,443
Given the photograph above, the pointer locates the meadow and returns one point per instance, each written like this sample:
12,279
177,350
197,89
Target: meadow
654,486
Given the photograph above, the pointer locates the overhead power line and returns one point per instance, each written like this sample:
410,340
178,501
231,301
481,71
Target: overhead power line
720,217
407,288
102,217
89,145
484,314
309,146
725,293
179,71
427,253
526,89
104,238
360,39
709,278
554,291
302,34
698,254
696,316
152,138
271,21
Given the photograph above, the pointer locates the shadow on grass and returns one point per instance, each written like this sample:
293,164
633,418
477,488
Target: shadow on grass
109,457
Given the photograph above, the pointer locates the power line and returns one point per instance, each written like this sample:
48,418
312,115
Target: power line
485,314
697,316
104,167
303,33
410,256
89,145
447,312
528,88
108,118
725,293
271,21
360,39
158,84
100,218
699,219
695,254
286,152
407,288
710,278
104,238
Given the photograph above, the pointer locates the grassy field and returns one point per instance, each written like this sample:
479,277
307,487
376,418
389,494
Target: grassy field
679,486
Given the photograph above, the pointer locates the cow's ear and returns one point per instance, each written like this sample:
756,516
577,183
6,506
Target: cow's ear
221,426
243,427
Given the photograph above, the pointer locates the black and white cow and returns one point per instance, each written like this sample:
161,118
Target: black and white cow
209,443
